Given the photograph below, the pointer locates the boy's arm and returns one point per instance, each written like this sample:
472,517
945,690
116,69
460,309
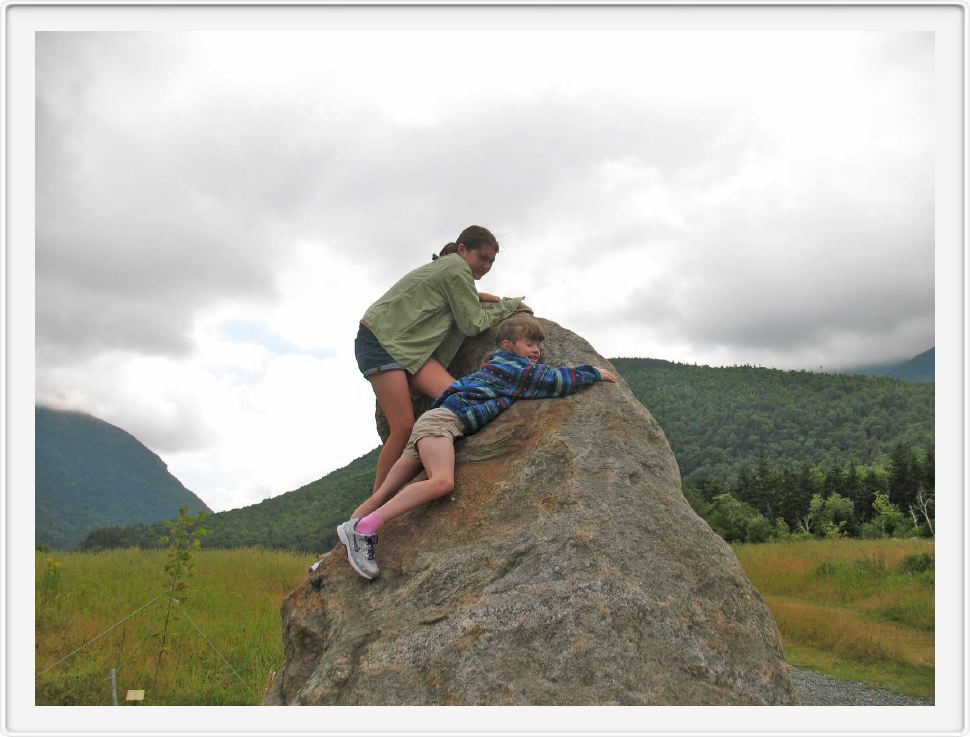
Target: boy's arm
543,381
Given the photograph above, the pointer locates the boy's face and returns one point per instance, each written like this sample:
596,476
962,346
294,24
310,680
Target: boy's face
525,347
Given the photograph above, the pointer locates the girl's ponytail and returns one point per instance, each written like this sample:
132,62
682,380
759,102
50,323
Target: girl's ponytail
447,250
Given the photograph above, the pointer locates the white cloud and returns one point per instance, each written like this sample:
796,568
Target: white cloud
215,211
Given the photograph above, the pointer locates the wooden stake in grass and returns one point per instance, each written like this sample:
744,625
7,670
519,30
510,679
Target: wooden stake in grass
269,681
185,535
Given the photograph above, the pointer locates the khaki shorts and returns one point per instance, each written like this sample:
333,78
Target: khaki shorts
437,423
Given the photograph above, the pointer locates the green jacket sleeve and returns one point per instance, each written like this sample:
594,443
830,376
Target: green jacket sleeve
471,317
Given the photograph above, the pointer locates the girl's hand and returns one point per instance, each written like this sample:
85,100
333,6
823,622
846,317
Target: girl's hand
486,297
607,375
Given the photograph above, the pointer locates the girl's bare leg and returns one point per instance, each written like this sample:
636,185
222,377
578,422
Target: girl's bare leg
401,472
438,458
394,397
432,379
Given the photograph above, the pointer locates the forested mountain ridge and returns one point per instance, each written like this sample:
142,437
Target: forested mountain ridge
722,420
89,473
918,368
739,429
304,519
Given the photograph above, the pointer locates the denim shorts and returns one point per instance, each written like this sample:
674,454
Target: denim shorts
371,356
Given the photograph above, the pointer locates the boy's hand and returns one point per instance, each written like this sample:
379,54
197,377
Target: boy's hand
607,375
486,297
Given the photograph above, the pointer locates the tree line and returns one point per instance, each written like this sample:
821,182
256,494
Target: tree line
769,502
720,421
763,453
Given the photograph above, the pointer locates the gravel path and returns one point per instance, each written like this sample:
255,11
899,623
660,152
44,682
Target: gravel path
815,689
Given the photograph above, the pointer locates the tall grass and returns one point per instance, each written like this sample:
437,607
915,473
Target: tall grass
233,600
858,609
850,608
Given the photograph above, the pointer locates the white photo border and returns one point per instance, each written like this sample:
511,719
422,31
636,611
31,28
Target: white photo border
19,715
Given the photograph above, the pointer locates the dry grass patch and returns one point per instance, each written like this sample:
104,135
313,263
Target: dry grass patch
849,634
865,607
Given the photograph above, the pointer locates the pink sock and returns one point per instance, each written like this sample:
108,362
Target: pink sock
370,524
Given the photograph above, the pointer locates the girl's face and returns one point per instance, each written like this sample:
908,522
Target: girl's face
480,259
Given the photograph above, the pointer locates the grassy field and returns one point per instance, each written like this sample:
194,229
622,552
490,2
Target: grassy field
844,607
231,610
856,609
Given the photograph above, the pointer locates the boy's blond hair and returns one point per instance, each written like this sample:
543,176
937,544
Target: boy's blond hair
518,327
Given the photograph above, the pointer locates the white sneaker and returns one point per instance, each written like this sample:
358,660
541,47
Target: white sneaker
360,549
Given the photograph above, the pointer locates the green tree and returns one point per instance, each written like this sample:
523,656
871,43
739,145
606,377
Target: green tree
904,476
834,481
184,537
708,488
888,520
731,519
829,516
763,484
928,470
782,531
758,529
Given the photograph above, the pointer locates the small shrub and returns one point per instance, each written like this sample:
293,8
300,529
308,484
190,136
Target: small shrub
826,569
870,566
916,563
50,585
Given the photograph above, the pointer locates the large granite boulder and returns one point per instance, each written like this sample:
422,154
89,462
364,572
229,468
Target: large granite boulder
565,568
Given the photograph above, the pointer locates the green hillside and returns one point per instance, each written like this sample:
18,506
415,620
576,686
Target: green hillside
742,430
304,519
89,474
918,368
722,420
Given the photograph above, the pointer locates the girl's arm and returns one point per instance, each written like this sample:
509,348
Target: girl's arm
471,317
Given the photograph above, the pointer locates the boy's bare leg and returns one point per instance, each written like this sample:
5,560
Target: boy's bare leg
438,458
403,470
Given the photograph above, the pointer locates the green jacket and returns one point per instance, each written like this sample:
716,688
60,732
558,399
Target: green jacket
430,311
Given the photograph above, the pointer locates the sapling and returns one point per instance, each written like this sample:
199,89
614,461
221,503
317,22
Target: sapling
184,536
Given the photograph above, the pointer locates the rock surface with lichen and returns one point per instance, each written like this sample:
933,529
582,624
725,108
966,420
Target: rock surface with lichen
566,568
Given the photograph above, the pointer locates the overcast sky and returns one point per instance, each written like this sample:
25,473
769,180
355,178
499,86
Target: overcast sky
215,211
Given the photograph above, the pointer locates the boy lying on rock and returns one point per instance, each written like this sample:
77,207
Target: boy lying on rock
512,372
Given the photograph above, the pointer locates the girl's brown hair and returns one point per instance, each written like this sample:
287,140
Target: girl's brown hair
474,237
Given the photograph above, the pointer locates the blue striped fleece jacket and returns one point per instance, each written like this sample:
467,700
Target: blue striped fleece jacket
482,396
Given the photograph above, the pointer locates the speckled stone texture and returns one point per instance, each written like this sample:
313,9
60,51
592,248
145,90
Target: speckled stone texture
566,568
